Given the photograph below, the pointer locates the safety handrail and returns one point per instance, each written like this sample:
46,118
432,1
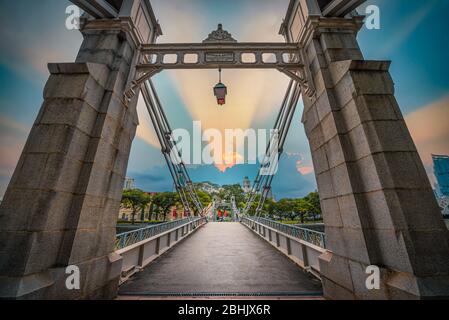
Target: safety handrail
314,237
129,238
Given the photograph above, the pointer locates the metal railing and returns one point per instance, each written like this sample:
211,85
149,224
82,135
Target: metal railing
126,239
314,237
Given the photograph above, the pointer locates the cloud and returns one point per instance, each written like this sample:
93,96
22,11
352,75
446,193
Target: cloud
430,131
429,128
12,140
145,129
303,166
265,27
289,182
304,170
228,161
254,96
9,124
28,55
189,20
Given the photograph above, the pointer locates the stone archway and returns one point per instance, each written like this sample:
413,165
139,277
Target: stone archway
377,202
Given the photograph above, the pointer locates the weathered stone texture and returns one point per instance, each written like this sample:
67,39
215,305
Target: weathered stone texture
60,208
377,202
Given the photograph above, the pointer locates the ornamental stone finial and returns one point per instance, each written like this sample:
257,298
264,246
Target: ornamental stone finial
220,36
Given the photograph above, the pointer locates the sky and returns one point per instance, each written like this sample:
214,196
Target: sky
413,34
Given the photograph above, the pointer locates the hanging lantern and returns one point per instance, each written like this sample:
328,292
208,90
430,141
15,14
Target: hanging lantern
220,91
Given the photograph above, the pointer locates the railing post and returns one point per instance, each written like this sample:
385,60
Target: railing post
123,242
140,235
305,256
289,246
158,245
141,256
169,239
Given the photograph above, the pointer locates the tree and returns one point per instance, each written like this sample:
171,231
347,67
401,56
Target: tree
286,209
205,199
151,210
302,208
134,200
164,202
313,204
235,190
269,207
252,210
144,202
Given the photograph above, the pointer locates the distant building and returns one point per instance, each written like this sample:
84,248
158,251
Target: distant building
246,185
443,202
129,184
441,170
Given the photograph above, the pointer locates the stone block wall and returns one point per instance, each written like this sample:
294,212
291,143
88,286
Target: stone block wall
377,201
61,206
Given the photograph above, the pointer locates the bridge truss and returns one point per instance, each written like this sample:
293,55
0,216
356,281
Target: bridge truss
221,51
275,148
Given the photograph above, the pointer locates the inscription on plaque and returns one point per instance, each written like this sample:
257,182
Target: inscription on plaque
220,57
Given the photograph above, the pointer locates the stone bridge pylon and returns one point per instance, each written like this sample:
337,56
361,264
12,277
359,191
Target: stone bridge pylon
379,209
60,207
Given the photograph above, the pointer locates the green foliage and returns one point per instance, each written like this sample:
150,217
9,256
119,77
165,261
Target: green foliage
205,198
134,200
289,210
159,206
313,199
230,191
163,202
293,210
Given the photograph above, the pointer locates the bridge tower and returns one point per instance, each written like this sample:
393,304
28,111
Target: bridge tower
378,205
61,206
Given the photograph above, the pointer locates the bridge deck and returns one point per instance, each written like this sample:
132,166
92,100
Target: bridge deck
222,259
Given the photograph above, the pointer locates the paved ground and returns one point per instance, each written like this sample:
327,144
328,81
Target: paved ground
223,258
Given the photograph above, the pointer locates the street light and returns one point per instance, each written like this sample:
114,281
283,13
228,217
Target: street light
220,91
